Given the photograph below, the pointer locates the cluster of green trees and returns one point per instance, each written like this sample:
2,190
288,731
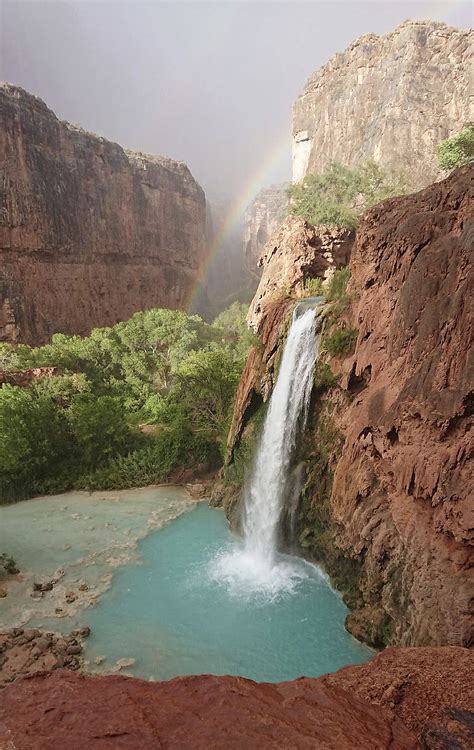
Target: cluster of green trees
339,194
456,151
85,426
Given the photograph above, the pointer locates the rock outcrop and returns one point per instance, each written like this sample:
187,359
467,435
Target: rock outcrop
297,250
261,219
389,98
26,651
89,232
357,708
395,526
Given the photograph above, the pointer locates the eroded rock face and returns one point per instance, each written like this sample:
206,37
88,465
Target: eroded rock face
388,98
297,250
89,233
400,506
402,488
262,217
429,689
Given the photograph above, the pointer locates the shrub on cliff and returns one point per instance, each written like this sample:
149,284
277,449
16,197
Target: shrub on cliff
340,194
456,151
341,341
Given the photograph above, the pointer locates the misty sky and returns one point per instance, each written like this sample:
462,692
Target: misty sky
209,83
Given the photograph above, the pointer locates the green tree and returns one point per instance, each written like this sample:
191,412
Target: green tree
456,151
232,323
207,381
340,194
35,441
62,388
99,427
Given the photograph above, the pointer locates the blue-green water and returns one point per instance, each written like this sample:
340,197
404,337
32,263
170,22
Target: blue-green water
173,617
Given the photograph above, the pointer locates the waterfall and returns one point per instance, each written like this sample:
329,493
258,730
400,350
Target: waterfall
285,419
256,566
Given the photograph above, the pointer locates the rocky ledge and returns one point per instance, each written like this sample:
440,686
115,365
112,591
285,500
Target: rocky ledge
404,698
24,652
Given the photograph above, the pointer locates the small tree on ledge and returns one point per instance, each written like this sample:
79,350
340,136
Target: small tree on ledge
456,151
340,194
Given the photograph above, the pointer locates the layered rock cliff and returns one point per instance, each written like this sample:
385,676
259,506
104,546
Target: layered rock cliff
387,504
89,232
261,219
389,98
297,251
404,698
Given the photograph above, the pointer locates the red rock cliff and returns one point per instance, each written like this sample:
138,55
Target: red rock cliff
395,525
89,233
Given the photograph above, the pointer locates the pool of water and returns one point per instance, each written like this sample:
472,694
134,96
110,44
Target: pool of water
173,616
79,540
161,590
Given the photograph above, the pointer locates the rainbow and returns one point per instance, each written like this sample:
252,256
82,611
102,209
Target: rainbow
260,178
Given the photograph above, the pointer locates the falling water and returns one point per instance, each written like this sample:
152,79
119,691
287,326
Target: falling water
285,418
257,565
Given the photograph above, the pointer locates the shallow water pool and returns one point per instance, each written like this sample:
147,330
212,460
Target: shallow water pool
165,599
173,617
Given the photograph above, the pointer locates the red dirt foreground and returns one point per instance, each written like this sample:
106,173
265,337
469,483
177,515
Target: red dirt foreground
70,711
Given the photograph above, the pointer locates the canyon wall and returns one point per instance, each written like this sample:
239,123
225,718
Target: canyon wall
89,232
389,98
387,502
261,219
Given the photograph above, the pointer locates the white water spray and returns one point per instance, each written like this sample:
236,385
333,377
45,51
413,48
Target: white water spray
257,566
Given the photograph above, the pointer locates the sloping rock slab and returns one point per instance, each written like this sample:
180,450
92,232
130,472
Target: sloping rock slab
67,710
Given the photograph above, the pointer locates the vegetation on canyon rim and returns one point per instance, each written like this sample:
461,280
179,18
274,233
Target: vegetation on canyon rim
339,194
84,427
456,151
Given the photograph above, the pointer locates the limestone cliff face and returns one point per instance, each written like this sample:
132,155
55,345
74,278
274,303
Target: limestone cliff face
89,232
387,504
388,98
261,219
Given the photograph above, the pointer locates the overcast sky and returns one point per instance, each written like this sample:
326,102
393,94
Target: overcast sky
209,83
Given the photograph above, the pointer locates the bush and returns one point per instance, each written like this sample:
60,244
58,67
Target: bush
337,286
99,427
170,449
341,341
323,376
8,564
340,194
456,151
35,440
313,287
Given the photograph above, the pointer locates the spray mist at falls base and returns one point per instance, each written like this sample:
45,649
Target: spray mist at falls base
255,566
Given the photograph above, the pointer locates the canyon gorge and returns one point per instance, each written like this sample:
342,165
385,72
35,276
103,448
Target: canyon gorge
329,430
